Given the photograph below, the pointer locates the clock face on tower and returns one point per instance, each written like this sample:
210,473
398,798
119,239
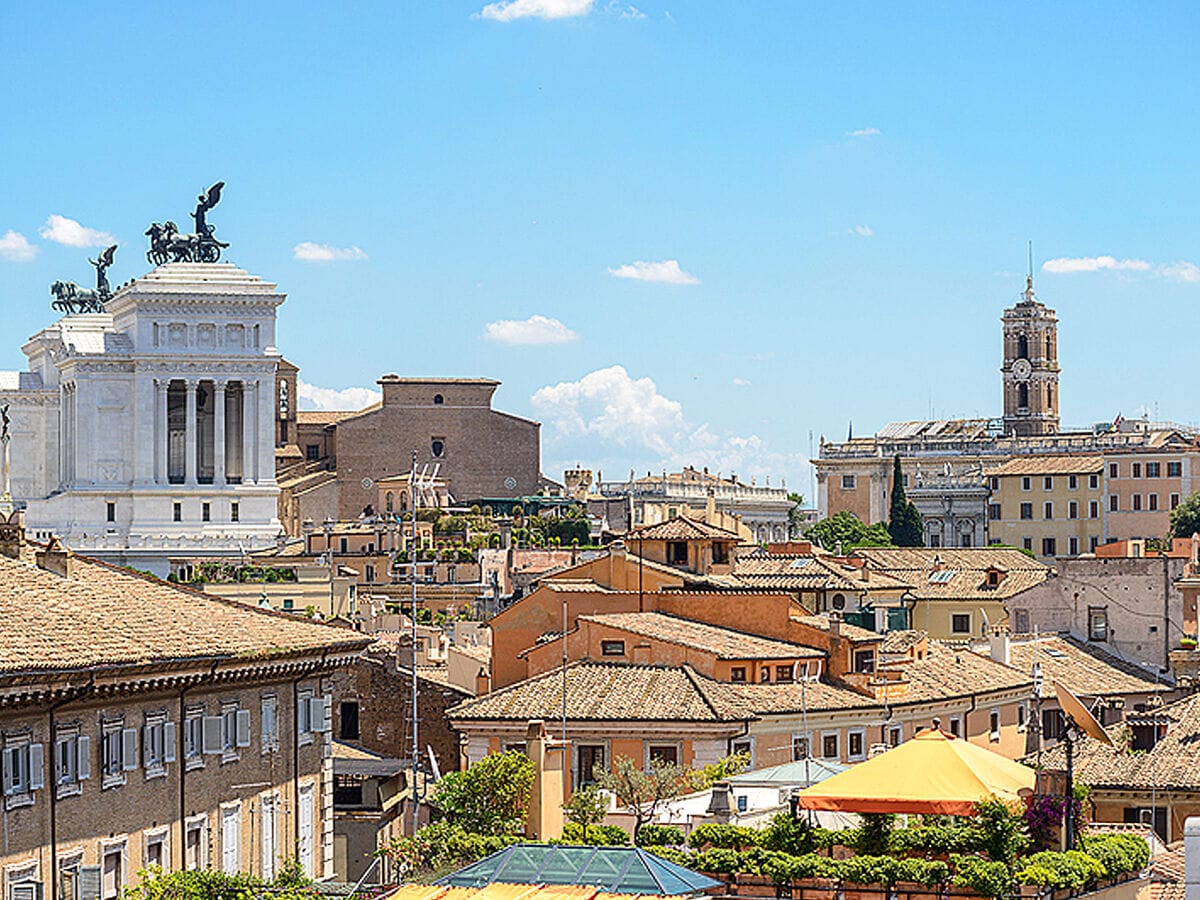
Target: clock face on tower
1021,369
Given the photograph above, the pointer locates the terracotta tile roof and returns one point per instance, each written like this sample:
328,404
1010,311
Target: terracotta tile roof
949,671
577,585
106,616
600,692
1050,465
323,416
793,573
853,632
963,572
1085,669
724,643
680,528
1172,764
1169,867
748,701
901,641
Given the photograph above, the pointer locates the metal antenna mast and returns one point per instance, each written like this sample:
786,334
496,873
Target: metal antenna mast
412,559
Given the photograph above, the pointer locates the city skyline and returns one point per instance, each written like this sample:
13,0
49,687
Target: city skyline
677,236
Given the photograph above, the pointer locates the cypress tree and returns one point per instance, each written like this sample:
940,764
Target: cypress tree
904,522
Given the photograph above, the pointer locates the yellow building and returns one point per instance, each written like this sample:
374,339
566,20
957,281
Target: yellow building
1050,505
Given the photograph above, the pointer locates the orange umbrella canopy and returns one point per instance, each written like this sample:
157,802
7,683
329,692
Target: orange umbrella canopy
933,773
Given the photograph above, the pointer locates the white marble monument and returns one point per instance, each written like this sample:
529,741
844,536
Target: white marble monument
146,431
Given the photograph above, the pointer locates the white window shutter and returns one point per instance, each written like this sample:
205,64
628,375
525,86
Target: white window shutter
129,749
89,883
148,745
212,734
169,742
10,769
318,723
37,763
243,728
268,725
83,758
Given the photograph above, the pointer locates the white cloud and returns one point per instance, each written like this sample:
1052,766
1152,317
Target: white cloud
62,230
626,12
741,382
611,405
861,230
666,272
1069,264
508,10
15,247
636,422
863,132
534,330
1181,271
310,252
353,398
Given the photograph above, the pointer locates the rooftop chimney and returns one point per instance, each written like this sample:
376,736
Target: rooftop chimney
719,806
545,820
12,534
56,558
998,641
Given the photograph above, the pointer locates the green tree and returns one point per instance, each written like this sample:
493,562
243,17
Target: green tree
904,522
845,529
1185,518
642,791
587,807
706,776
795,515
491,797
569,529
207,884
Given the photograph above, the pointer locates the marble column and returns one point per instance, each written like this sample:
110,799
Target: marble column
249,431
266,431
218,432
160,430
190,435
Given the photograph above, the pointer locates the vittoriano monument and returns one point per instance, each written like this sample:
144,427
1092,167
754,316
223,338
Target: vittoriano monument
168,245
70,298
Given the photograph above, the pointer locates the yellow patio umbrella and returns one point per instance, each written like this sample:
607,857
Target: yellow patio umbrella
934,773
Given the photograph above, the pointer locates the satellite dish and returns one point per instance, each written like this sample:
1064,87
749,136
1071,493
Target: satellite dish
1079,714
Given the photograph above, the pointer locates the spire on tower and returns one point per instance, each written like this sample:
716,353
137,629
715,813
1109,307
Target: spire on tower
1029,278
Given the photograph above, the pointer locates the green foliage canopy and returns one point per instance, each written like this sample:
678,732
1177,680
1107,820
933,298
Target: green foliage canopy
489,798
845,529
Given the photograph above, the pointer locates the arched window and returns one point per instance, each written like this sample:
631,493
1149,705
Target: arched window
391,502
1023,396
438,400
1022,347
839,601
1049,345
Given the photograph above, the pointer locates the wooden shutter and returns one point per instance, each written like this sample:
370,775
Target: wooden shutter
83,758
129,749
25,890
268,724
212,734
89,883
243,728
169,742
37,762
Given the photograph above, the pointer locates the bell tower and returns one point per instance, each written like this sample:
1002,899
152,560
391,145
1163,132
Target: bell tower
1030,369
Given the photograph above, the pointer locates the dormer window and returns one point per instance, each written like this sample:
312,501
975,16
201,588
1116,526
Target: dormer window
720,553
677,554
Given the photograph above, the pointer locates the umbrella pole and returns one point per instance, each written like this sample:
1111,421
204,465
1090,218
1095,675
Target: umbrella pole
1069,814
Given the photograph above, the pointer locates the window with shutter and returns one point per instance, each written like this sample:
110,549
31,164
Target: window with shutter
129,745
319,716
36,764
270,728
83,757
169,742
89,883
230,836
25,890
212,735
243,728
112,753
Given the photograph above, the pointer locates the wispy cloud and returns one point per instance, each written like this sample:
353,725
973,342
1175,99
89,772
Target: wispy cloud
510,10
863,132
62,230
666,272
310,252
319,398
1068,264
529,332
1182,270
861,230
741,382
15,247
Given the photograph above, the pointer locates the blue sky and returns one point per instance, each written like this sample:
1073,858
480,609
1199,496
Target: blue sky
831,202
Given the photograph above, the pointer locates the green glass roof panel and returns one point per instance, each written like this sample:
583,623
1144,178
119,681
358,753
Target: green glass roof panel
619,870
